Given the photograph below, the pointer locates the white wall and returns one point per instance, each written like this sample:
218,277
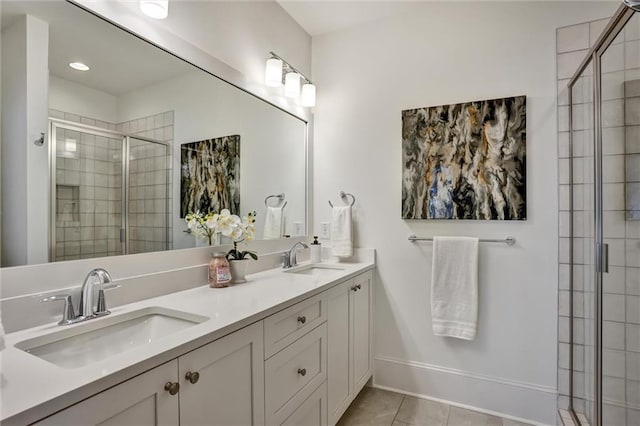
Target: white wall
25,165
74,98
443,53
272,150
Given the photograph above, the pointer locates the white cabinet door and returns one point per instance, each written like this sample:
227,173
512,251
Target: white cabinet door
312,412
349,341
361,323
141,401
229,389
339,379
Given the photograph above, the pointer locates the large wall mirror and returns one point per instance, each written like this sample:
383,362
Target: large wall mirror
107,161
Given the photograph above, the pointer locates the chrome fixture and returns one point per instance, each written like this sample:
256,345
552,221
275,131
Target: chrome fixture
280,197
344,195
633,4
508,240
277,67
86,310
289,258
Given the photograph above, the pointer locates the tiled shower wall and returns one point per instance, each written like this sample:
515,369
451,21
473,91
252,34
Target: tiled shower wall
621,286
89,194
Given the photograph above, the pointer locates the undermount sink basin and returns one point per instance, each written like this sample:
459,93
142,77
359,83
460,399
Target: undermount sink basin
315,269
98,339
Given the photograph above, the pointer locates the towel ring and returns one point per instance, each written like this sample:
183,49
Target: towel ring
278,196
344,195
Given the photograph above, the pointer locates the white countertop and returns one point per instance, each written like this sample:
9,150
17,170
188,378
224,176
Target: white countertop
32,388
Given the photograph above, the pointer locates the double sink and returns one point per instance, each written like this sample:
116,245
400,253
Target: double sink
96,340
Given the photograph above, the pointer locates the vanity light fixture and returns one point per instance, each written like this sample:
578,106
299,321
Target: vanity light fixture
157,9
79,66
276,67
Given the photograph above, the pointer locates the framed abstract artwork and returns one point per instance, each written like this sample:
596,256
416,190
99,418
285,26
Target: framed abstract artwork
210,175
465,161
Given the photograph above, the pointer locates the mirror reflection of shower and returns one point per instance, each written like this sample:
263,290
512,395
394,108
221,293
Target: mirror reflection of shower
110,186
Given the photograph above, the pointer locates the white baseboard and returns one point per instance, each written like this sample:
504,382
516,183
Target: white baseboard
524,402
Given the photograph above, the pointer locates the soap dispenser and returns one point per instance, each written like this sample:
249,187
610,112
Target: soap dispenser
316,251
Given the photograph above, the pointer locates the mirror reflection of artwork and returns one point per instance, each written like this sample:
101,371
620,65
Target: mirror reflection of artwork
465,161
210,178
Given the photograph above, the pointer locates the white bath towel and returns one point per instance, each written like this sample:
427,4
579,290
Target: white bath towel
454,287
341,237
273,223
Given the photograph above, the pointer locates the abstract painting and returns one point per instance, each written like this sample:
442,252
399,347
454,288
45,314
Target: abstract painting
465,161
210,175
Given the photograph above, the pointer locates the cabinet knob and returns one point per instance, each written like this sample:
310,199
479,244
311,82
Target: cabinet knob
354,288
302,371
172,388
192,377
302,319
359,286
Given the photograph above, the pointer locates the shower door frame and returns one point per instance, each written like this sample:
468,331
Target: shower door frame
615,25
56,123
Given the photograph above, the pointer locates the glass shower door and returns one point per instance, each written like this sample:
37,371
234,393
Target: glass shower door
148,198
620,188
86,193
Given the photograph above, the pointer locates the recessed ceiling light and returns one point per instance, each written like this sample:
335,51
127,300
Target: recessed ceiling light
158,9
79,66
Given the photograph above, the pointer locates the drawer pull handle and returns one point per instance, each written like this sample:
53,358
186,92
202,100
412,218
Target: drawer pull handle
359,286
302,371
192,377
172,388
302,319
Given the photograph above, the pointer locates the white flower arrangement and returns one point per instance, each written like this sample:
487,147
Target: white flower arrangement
227,224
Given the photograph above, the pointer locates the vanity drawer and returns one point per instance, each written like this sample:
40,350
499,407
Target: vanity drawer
283,328
294,373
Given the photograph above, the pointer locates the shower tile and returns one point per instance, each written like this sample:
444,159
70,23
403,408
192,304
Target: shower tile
563,119
168,118
613,389
86,247
575,37
633,337
632,167
633,252
613,335
632,111
633,229
595,29
633,392
633,416
613,58
101,246
563,329
564,224
149,123
578,357
563,93
100,219
613,140
613,363
578,331
613,168
633,365
613,415
567,63
563,197
72,248
578,277
72,117
613,113
613,307
633,309
614,281
614,224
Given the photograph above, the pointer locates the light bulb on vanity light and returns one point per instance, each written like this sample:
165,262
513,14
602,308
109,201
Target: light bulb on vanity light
292,85
308,97
157,9
273,73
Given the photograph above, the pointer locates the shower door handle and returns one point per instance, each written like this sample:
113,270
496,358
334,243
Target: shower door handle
122,235
605,258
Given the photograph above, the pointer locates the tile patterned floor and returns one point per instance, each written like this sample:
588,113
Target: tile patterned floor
378,407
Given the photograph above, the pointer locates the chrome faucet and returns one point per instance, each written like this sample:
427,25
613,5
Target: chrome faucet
86,310
289,258
86,294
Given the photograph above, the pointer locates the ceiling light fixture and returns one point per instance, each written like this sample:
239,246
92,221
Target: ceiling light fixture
79,66
157,9
276,67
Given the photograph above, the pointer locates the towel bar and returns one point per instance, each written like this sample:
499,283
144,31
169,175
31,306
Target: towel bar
344,195
278,196
508,241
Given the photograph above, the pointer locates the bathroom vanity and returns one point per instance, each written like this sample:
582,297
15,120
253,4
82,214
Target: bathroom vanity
255,353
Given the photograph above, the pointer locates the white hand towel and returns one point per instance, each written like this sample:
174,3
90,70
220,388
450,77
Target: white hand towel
454,287
273,223
341,240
